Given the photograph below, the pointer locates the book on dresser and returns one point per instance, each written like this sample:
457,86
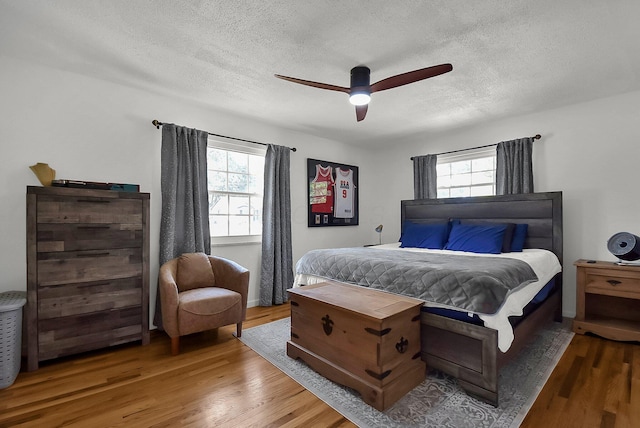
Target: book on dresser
87,271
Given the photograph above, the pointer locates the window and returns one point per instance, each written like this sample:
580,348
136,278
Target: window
472,173
235,175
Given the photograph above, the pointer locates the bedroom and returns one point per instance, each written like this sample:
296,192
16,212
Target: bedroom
94,124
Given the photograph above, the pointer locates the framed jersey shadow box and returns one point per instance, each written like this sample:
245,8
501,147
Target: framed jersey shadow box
332,193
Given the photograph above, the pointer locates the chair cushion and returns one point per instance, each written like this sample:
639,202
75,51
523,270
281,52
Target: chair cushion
208,301
194,271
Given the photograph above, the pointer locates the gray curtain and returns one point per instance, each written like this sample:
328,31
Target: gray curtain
514,166
276,274
184,225
425,184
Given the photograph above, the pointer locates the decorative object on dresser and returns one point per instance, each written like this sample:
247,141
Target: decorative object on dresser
87,270
199,293
365,339
607,300
44,172
80,184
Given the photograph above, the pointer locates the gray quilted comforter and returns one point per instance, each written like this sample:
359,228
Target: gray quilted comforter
470,283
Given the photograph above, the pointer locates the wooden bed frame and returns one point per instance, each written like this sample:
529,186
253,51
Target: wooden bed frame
470,352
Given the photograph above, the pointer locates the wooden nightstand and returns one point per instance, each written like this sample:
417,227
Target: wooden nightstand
608,300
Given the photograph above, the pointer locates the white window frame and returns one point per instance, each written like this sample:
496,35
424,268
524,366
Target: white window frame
222,143
464,156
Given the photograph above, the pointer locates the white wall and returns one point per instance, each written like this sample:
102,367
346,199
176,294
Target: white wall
93,130
589,151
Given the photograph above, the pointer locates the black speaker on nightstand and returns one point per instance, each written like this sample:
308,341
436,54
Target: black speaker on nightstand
625,246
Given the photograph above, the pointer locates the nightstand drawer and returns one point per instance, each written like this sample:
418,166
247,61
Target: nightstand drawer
612,284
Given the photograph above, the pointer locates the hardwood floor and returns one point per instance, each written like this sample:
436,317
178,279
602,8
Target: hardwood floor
218,381
595,384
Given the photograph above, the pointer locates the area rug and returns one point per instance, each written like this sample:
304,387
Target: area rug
438,401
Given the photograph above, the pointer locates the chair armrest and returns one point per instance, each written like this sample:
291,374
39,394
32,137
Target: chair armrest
232,276
169,297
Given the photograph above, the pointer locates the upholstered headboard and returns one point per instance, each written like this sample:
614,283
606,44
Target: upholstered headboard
541,211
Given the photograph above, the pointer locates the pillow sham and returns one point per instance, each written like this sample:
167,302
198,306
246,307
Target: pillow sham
508,232
519,236
476,238
431,235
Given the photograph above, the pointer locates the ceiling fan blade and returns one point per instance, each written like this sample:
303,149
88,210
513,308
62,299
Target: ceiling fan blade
410,77
361,112
314,84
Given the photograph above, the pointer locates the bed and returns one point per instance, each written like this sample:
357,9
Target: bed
473,348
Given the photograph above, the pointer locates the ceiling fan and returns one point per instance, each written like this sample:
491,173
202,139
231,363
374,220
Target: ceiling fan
360,90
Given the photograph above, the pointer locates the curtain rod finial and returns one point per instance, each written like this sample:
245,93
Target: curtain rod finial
156,123
537,137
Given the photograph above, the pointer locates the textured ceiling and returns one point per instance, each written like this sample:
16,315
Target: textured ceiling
509,57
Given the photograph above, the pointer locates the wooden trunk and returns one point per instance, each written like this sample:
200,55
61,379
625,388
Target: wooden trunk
87,270
365,339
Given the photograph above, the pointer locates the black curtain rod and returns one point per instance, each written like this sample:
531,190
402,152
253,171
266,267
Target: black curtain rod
158,124
535,137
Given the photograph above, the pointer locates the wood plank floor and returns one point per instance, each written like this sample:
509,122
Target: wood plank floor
217,381
595,384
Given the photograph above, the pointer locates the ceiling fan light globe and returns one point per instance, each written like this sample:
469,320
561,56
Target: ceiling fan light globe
359,98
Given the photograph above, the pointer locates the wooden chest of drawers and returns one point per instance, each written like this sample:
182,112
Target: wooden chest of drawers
365,339
608,300
87,270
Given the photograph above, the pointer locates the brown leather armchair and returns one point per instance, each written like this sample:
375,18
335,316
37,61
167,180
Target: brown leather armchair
200,292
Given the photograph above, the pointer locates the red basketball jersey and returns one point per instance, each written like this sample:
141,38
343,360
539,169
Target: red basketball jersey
321,190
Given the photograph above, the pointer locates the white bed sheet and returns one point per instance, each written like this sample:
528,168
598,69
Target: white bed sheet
544,263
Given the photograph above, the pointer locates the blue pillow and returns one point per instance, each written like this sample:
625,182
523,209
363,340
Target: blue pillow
507,239
429,235
476,238
519,235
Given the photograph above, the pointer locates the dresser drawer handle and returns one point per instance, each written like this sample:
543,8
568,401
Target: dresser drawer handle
94,284
94,201
614,282
104,226
94,255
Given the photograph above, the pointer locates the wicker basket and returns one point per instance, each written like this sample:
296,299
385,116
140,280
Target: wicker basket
11,303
